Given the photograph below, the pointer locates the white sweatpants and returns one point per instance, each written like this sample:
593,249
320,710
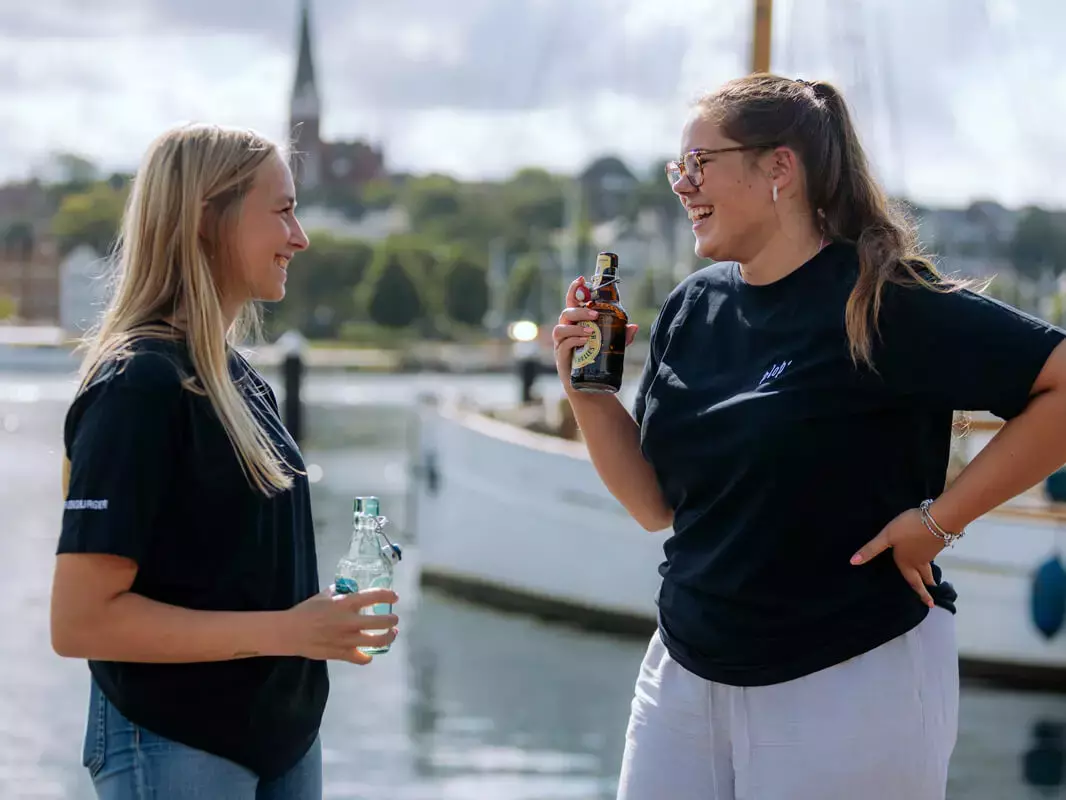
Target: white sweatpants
880,726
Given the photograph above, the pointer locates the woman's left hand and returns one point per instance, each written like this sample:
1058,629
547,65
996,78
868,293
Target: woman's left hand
913,549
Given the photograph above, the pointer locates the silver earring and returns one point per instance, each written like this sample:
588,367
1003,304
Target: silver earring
775,192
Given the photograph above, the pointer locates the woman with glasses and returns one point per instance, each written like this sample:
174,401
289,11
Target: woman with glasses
792,424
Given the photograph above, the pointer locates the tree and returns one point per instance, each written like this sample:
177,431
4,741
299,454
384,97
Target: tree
466,290
390,293
72,170
433,203
379,194
525,288
320,292
18,241
8,306
647,294
91,217
535,203
1039,243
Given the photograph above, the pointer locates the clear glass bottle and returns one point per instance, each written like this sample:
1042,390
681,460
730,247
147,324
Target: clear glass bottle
370,560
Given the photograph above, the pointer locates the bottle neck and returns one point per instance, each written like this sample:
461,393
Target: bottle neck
365,536
605,286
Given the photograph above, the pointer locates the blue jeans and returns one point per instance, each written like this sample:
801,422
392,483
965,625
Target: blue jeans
127,762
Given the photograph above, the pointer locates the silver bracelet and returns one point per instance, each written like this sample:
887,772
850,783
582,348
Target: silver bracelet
948,538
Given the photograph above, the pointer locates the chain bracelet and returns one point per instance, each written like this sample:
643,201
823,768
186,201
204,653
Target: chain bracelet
931,525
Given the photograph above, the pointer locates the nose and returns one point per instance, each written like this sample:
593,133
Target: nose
682,186
297,237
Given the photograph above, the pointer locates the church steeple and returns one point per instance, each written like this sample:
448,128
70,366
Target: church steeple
305,109
305,65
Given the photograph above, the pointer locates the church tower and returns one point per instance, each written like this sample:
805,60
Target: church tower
305,110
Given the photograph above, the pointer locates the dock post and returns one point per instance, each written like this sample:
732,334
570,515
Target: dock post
293,347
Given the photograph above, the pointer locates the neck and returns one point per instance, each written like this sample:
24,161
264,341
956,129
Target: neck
229,314
782,255
180,321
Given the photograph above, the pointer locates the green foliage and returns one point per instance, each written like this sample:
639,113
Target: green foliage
379,194
1039,243
646,295
90,217
525,288
466,290
8,306
18,240
434,204
390,293
320,292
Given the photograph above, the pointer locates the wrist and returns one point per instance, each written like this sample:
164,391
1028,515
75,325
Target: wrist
947,515
273,634
576,396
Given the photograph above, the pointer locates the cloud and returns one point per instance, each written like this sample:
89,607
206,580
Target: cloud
72,98
955,98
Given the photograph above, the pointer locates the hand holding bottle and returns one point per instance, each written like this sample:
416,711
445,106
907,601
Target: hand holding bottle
571,334
331,626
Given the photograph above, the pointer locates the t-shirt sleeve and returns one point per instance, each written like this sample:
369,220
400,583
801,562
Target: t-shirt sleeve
122,438
960,349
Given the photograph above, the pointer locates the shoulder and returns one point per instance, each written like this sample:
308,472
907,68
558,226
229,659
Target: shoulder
938,294
156,366
149,372
139,390
714,277
711,280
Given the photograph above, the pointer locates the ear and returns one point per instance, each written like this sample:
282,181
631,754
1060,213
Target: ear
781,167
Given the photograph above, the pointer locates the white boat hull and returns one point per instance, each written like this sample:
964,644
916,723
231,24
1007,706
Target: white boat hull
521,519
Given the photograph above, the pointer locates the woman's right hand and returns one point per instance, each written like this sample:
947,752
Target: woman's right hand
329,626
570,333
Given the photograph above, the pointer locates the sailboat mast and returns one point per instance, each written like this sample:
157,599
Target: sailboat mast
760,50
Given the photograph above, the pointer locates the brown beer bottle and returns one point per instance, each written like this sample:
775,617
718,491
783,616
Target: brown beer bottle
597,365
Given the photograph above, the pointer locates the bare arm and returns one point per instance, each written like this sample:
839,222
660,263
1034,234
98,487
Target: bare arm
611,434
1026,449
94,615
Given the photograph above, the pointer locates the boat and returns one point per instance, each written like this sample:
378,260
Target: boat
516,516
519,519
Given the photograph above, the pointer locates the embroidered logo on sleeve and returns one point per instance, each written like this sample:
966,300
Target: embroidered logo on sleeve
775,371
85,505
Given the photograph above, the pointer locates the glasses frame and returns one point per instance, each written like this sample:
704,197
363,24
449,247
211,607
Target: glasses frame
696,180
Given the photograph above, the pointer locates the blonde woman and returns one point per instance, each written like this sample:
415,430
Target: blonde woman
186,567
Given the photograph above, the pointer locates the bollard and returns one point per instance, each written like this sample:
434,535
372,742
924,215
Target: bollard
527,364
527,375
292,368
525,352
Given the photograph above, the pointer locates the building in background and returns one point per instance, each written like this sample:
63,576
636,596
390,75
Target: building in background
83,289
29,274
319,164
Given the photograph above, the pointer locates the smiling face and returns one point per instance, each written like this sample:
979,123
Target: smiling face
266,235
732,211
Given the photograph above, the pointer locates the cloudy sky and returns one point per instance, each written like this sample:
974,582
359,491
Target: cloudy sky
958,99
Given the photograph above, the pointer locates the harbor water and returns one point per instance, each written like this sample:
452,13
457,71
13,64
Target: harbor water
469,704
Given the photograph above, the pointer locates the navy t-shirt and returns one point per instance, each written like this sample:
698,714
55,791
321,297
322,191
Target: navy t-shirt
780,458
155,479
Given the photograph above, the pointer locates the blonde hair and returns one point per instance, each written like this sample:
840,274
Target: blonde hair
191,175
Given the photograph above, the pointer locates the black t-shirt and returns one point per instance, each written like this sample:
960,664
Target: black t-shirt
781,458
154,478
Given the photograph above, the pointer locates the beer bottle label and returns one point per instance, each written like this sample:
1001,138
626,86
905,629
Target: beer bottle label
586,354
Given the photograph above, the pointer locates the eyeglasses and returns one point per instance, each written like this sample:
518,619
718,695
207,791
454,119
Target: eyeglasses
691,165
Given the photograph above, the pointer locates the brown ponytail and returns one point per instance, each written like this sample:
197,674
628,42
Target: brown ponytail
813,119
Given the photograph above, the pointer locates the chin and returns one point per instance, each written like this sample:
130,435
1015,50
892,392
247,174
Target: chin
710,250
273,295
